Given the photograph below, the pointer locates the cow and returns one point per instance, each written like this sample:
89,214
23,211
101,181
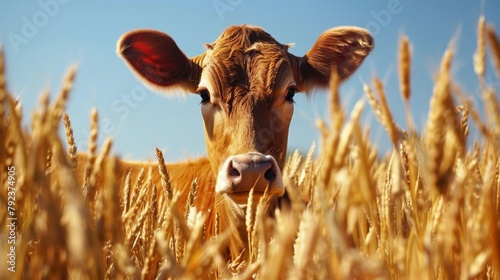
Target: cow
246,81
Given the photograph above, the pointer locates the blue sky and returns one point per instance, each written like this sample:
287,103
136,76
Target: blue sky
41,39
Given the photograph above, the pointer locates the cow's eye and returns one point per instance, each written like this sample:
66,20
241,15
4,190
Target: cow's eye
205,95
290,93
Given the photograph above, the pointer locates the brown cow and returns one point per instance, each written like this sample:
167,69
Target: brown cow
246,81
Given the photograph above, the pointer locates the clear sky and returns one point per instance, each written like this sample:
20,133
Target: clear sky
41,39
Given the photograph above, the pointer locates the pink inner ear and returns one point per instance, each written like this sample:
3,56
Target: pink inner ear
155,57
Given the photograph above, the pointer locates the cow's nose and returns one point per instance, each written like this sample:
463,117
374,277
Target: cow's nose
241,173
249,170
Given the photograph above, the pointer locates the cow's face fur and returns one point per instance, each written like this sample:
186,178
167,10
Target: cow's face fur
249,86
246,81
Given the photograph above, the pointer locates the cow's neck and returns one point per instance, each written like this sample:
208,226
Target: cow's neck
223,214
221,211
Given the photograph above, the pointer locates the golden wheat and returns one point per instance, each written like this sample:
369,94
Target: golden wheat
70,140
480,55
429,208
165,179
494,44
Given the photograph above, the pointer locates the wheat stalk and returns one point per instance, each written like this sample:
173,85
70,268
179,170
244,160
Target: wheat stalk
387,119
70,140
59,105
190,203
249,224
91,153
165,178
480,55
126,193
494,46
464,121
438,126
404,68
404,79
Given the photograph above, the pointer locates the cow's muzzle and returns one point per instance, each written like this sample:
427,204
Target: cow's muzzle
240,173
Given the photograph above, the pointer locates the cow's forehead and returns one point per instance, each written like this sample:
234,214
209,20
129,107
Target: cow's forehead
246,60
243,38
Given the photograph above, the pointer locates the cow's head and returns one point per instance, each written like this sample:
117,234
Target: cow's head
246,81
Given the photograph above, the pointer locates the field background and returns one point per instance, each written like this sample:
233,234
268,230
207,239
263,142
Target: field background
405,184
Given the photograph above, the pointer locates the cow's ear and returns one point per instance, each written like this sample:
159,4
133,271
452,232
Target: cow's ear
341,48
157,60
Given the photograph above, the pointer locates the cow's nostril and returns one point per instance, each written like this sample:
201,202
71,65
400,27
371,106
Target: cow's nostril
270,175
233,172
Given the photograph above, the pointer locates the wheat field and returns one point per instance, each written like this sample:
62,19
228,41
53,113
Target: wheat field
428,209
